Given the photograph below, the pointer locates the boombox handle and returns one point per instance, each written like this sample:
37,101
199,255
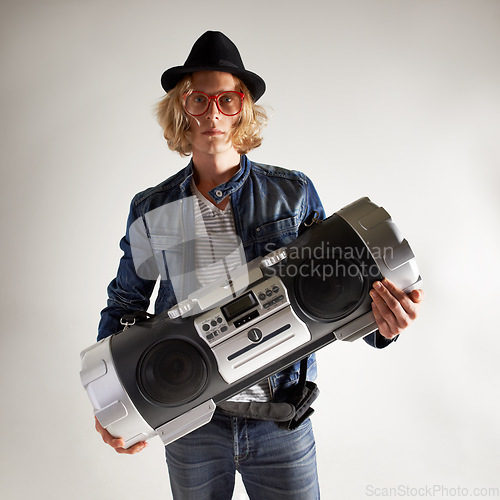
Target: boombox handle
227,287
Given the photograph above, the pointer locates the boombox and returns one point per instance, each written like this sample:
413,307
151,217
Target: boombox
166,375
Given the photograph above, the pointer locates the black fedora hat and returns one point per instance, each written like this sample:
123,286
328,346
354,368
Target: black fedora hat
213,51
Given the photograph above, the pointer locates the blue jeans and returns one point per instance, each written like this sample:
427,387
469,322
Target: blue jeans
274,464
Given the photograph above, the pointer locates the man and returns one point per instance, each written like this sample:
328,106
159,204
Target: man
210,112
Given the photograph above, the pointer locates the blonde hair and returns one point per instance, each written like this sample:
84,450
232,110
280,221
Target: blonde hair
174,121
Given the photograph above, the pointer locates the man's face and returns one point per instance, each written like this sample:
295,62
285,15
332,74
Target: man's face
211,132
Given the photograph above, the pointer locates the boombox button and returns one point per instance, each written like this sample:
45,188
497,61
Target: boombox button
223,329
213,322
255,335
262,296
219,319
276,289
269,292
206,327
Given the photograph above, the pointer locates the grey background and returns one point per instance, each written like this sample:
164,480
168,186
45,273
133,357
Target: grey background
409,116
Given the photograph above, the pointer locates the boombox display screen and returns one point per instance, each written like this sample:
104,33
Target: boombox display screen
239,306
166,375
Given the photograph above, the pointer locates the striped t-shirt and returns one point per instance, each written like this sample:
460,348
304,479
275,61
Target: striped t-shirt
218,251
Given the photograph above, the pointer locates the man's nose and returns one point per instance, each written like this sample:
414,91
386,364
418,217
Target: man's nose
213,110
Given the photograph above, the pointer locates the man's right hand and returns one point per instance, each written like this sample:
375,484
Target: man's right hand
118,443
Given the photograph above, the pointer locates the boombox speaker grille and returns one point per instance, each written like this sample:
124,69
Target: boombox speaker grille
173,372
330,289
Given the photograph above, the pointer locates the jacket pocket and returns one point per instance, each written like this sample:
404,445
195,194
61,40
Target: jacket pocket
168,251
162,242
286,229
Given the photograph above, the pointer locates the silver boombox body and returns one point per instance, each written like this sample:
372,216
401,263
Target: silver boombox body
165,376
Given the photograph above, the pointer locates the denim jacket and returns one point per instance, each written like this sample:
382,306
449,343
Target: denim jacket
270,205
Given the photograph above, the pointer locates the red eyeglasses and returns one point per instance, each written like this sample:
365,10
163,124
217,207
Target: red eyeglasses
228,103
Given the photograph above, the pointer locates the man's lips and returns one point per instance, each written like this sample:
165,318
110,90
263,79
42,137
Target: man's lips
213,131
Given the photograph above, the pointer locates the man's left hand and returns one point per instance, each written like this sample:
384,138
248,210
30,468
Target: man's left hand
394,310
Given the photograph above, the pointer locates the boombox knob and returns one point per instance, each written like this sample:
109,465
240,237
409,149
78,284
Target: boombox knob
273,258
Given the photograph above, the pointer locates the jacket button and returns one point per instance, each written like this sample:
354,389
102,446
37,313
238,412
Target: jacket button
218,193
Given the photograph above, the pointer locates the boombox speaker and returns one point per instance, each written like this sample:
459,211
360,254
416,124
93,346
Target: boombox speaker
165,376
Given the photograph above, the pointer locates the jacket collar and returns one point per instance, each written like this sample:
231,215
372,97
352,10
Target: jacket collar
224,190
